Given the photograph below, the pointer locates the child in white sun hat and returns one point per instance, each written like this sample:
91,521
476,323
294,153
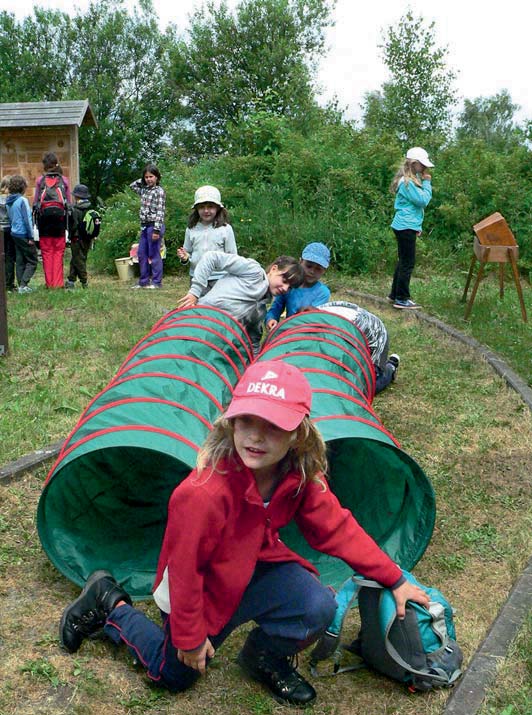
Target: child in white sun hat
222,561
208,230
412,189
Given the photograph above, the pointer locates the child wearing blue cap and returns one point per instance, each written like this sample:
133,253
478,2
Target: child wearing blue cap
315,260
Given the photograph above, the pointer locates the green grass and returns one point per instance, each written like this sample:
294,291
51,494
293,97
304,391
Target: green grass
470,434
494,322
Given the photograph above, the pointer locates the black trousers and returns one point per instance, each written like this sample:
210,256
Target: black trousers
78,263
26,259
406,252
10,258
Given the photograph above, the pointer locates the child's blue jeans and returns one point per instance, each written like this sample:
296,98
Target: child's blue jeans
289,604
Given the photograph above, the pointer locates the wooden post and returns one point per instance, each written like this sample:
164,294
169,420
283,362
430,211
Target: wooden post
3,298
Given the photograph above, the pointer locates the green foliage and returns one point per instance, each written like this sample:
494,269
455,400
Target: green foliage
258,58
332,185
489,119
102,55
416,103
43,669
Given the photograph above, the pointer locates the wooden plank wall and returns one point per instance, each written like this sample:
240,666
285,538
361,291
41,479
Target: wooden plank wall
22,150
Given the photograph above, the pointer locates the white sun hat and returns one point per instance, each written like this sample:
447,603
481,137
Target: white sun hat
419,154
208,194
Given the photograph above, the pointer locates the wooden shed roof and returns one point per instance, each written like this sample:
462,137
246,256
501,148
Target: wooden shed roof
47,114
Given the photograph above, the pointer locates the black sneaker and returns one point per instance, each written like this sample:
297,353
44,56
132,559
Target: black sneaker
276,673
69,284
394,360
88,613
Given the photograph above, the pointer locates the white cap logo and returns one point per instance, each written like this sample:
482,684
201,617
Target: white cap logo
270,376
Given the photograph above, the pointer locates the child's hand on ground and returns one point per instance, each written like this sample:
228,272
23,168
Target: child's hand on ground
197,658
187,301
182,254
271,324
408,592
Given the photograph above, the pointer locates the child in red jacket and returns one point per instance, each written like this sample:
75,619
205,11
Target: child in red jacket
222,562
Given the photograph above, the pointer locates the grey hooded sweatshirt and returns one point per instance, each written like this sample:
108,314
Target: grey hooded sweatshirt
243,291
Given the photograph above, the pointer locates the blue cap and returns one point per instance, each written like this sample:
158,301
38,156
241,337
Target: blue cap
317,253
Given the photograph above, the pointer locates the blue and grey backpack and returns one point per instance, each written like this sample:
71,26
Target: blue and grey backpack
420,651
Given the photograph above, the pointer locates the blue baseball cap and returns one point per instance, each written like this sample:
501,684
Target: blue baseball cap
317,253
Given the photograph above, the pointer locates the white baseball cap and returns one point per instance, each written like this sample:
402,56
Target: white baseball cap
208,194
419,154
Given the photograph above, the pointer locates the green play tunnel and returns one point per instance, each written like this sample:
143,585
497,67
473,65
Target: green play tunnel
385,489
105,500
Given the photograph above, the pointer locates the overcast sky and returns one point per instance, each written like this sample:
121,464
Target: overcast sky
488,42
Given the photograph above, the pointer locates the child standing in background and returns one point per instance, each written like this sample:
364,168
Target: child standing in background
222,561
312,292
413,190
19,212
50,206
80,243
208,230
152,210
9,247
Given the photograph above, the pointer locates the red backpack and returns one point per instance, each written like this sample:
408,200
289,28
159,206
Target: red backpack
52,203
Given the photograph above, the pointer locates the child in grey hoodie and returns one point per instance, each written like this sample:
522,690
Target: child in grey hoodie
245,289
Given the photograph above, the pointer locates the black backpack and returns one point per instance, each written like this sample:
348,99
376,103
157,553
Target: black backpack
419,651
51,208
89,226
51,198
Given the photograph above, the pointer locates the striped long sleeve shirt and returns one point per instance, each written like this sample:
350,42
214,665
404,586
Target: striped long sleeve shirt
152,204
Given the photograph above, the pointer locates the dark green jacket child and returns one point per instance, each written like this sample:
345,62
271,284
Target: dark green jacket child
80,243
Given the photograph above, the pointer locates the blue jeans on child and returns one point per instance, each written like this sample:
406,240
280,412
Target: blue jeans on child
149,255
289,604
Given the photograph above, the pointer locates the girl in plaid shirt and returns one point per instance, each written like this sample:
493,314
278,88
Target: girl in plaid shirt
152,208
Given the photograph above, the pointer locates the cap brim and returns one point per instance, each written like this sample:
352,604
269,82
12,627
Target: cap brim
315,259
287,418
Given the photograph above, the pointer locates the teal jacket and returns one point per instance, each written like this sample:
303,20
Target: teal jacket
410,202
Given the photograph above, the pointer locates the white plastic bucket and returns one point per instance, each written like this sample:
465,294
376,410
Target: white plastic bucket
124,269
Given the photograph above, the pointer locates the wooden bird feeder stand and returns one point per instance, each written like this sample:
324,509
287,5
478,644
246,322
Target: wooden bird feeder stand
494,243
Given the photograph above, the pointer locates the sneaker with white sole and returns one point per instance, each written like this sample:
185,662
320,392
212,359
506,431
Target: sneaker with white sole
394,360
405,304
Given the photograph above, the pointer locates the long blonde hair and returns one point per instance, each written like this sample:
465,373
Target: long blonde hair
407,173
307,454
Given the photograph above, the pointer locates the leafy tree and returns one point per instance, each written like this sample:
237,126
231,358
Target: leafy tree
35,56
122,69
118,61
258,59
416,102
490,119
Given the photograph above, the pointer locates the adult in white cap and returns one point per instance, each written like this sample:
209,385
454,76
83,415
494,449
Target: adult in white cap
413,190
208,230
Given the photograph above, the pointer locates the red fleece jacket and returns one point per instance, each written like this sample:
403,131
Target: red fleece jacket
218,528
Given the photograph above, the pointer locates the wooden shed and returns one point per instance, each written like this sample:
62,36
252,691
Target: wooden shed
28,130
